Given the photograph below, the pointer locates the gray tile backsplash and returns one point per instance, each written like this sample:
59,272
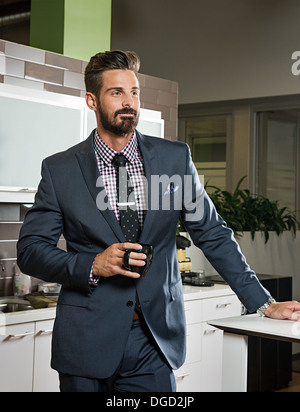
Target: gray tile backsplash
9,230
11,219
68,63
22,52
44,73
10,212
10,224
7,249
14,67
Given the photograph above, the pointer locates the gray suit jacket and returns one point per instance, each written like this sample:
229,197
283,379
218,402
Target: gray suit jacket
92,324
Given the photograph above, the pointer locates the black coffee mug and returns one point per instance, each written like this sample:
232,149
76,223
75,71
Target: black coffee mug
142,270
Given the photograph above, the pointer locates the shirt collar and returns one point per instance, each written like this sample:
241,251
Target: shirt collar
107,154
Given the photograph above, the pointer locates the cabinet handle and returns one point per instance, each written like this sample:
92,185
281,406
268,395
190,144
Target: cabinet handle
222,305
45,331
209,331
183,375
20,335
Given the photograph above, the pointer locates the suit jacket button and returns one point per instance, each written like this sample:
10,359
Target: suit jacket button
129,303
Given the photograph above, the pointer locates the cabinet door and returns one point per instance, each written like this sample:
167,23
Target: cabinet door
45,378
212,356
16,357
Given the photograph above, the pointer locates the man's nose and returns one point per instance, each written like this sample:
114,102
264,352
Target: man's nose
128,101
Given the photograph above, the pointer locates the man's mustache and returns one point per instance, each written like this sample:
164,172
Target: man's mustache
125,111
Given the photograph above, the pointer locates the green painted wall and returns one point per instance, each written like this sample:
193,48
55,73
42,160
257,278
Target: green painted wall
87,27
47,25
75,28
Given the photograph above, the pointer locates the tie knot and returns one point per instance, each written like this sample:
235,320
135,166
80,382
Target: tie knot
119,160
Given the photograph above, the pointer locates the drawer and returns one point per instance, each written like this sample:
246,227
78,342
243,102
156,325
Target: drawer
193,311
220,307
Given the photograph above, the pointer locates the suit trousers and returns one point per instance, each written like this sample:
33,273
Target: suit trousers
143,369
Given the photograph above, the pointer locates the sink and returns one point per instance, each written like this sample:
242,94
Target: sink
12,304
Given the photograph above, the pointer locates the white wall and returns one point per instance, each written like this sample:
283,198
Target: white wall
279,257
216,49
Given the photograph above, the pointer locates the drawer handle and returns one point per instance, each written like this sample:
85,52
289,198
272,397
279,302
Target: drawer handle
209,331
222,305
45,331
183,375
20,335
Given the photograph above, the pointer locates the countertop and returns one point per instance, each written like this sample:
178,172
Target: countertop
255,325
25,316
33,315
195,292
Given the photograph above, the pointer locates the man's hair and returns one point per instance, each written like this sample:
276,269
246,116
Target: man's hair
109,60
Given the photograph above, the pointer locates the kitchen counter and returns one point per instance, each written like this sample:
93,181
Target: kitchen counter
25,316
33,315
196,292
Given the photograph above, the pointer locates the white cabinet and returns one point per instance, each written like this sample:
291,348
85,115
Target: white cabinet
16,357
45,379
25,351
202,370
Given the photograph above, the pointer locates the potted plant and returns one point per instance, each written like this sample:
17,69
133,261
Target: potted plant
266,233
244,212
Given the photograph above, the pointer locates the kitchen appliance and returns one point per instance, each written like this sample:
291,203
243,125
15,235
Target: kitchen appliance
185,265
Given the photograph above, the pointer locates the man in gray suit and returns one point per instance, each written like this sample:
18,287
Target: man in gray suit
114,330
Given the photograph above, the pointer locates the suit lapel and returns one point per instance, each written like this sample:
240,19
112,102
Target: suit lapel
151,168
89,168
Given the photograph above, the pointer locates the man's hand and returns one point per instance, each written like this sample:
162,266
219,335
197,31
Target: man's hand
284,310
110,261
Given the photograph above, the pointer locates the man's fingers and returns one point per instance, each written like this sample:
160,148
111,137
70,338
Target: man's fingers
127,245
130,274
296,316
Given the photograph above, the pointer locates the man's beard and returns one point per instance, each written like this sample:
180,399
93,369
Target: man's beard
119,128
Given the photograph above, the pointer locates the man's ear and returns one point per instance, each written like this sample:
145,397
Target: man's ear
91,101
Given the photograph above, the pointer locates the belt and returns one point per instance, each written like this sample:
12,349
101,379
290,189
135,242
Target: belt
136,316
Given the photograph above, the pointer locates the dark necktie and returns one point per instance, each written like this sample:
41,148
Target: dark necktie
126,201
127,207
